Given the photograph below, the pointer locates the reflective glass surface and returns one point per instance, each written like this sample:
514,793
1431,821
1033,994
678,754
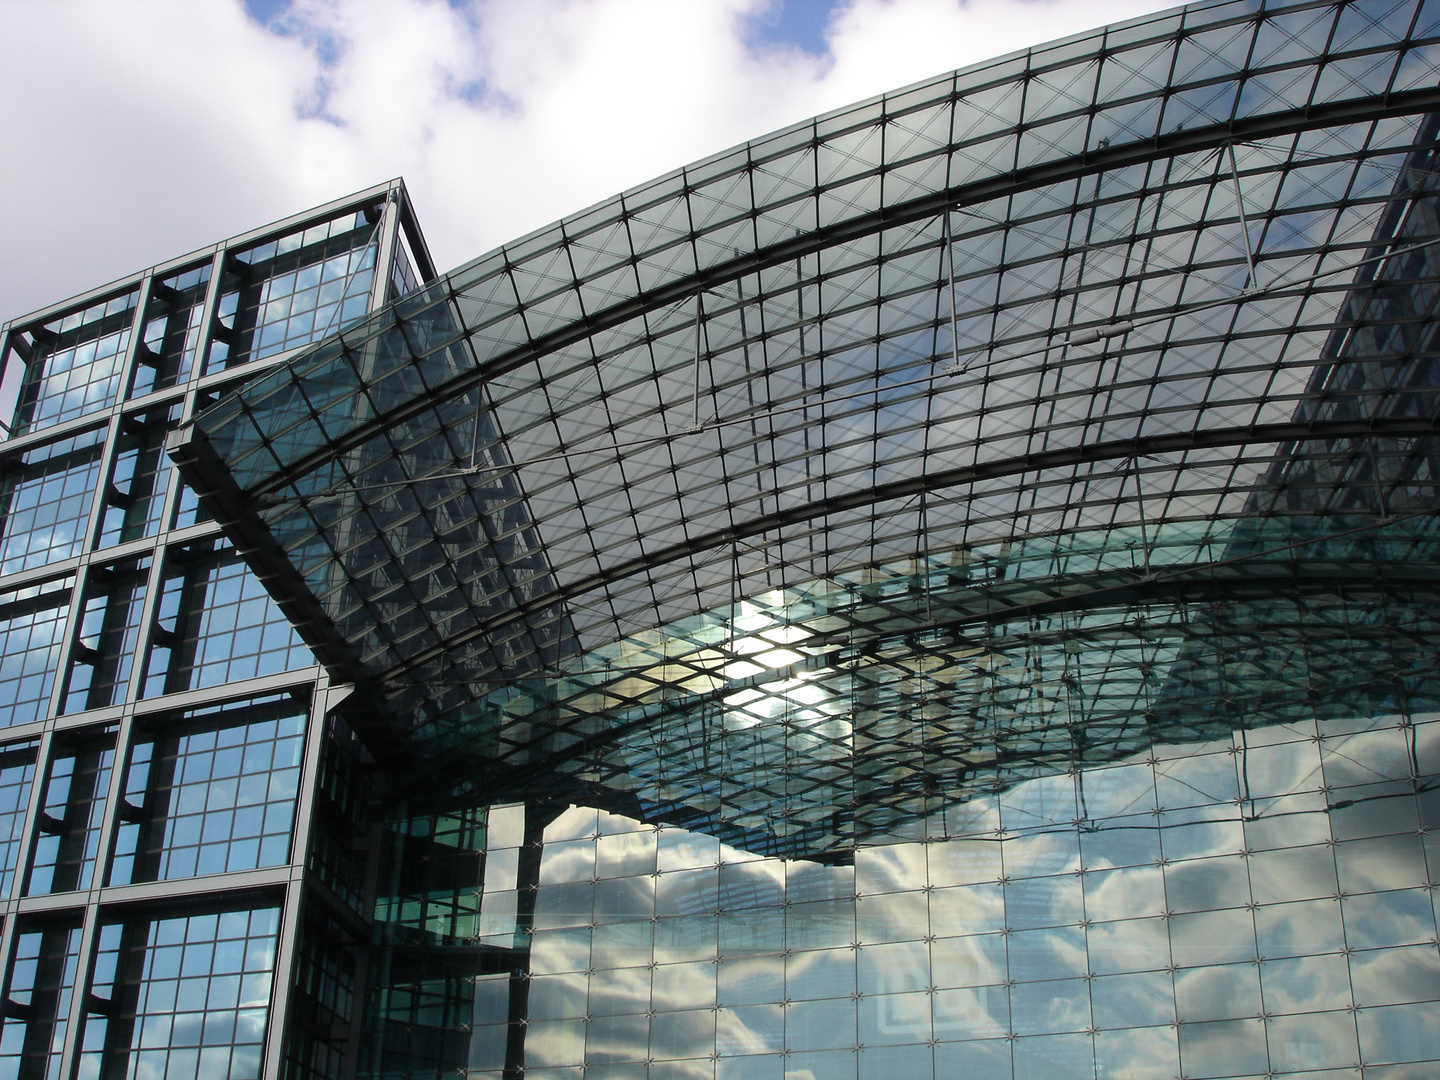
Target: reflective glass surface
32,631
75,363
216,624
1247,906
210,801
45,500
182,997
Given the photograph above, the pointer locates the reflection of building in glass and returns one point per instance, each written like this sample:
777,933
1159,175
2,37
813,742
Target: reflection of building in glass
948,589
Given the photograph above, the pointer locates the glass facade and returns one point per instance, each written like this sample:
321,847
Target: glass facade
167,742
944,590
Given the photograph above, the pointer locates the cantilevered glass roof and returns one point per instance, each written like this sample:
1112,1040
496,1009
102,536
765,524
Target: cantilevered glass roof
1162,291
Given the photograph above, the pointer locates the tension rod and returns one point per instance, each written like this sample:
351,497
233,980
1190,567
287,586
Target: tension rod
955,367
695,390
1250,280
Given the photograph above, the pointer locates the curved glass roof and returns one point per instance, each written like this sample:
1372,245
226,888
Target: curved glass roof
1158,292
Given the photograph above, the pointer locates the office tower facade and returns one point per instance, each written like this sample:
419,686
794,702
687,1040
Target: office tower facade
945,590
162,722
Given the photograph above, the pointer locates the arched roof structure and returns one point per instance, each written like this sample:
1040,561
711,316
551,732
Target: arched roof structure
1066,403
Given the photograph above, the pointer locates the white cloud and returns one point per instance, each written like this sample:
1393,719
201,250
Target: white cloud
138,131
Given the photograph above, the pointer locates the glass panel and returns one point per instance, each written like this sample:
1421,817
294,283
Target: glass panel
32,632
45,499
323,1013
185,998
213,800
216,624
403,278
428,998
75,364
339,848
68,833
37,1001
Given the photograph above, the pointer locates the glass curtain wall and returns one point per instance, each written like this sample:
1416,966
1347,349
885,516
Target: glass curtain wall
161,724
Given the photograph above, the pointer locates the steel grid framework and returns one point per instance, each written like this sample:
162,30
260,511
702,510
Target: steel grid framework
1136,327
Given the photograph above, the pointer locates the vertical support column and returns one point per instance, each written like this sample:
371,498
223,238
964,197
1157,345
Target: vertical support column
207,328
14,392
137,335
7,336
113,794
7,942
385,253
141,664
277,1028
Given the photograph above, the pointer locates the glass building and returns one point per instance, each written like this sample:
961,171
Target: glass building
950,589
168,775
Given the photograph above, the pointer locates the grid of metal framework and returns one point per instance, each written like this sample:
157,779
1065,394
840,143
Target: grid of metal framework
1095,301
163,729
947,589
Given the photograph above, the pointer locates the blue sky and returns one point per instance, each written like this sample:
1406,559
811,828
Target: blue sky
797,23
800,23
145,129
